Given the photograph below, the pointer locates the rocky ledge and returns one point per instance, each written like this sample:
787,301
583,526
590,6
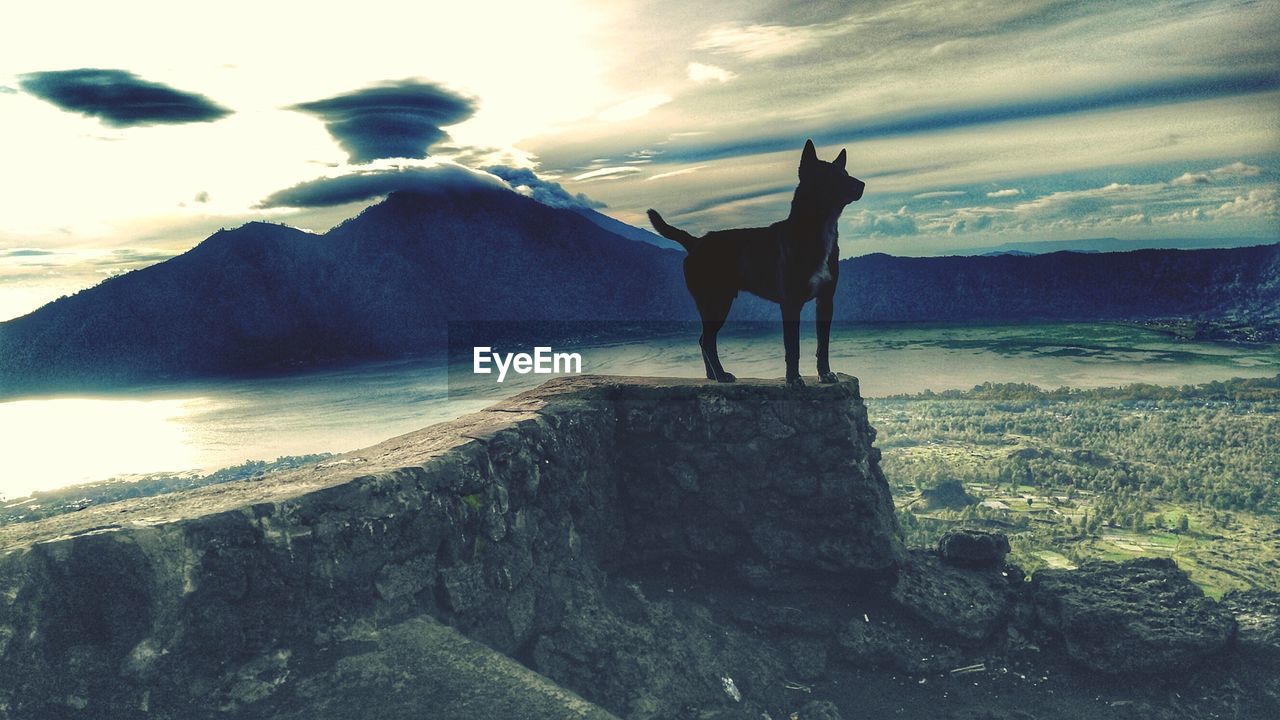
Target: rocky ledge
598,547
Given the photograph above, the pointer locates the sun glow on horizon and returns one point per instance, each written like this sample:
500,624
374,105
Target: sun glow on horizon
77,440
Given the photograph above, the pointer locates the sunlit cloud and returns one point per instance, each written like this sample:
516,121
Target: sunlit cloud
676,173
702,73
633,108
1005,193
761,42
1259,203
889,224
607,172
544,190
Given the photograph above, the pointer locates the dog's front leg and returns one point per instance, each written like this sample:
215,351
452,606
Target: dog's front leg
825,311
791,342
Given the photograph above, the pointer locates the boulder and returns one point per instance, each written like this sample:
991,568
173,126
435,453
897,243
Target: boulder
1139,616
1257,612
967,604
973,546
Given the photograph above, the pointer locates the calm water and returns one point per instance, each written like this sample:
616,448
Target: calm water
52,442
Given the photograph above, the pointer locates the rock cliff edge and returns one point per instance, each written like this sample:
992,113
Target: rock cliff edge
598,547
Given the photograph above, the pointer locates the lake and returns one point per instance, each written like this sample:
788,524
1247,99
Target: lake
49,442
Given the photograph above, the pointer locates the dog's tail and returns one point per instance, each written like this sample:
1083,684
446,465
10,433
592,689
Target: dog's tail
671,233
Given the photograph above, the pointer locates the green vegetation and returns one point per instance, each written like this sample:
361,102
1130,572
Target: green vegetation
1113,473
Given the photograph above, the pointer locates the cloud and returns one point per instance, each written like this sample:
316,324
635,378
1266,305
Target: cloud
673,173
119,98
702,73
938,194
1236,169
201,197
897,224
1233,171
130,257
392,120
525,182
1008,192
6,90
633,108
1146,93
368,184
761,41
1090,202
974,219
1260,203
26,252
607,172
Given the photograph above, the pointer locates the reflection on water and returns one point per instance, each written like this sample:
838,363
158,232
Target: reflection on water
66,440
46,443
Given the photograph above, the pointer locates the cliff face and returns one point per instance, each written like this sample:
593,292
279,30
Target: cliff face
545,530
596,548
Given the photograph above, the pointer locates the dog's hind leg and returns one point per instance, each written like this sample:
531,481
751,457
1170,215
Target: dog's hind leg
791,342
825,311
713,312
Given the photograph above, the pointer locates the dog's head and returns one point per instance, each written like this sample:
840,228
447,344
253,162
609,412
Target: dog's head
828,180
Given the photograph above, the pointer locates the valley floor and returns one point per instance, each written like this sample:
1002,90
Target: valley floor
1191,473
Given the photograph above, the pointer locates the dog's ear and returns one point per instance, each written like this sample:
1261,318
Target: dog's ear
839,161
810,155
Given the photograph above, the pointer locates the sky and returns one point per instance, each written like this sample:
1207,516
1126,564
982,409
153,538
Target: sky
133,130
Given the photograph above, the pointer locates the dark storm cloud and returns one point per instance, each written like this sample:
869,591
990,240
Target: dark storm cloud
326,192
119,98
1127,96
393,120
544,191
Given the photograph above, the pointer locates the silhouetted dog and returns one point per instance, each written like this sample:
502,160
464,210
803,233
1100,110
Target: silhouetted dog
790,262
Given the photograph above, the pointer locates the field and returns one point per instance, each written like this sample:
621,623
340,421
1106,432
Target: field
1071,475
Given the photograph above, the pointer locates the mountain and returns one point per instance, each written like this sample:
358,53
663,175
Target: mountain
388,282
384,284
630,232
1234,282
1105,244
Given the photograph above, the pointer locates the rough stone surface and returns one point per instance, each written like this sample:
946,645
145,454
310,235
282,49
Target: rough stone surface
380,673
968,604
1257,612
515,527
819,710
877,644
598,547
975,547
1142,615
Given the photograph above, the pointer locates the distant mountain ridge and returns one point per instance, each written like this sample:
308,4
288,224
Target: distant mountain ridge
1232,282
1103,244
385,284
